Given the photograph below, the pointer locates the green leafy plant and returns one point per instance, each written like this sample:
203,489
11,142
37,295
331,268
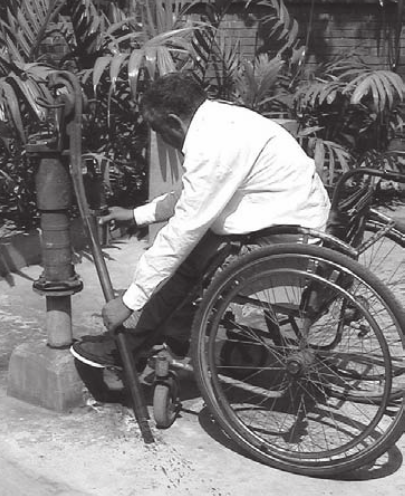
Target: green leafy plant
343,109
160,44
257,83
23,74
350,105
112,53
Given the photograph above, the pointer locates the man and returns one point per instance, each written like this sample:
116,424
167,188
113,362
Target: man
242,173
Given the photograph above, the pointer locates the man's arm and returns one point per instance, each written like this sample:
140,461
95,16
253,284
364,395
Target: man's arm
208,186
159,209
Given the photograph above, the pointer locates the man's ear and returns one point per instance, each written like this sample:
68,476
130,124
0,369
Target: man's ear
177,123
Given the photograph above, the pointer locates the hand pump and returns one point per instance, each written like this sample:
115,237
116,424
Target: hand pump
73,130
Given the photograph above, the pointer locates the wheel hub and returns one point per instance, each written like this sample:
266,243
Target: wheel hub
299,363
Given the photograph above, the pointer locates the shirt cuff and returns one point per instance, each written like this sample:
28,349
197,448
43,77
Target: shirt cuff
132,299
145,214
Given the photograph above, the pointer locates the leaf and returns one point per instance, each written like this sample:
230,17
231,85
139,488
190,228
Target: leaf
11,102
170,36
343,156
293,34
13,51
319,155
379,85
29,17
30,91
397,82
134,67
25,36
99,67
310,130
116,66
164,61
150,60
380,93
389,94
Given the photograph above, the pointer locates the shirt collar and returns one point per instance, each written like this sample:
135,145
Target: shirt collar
200,112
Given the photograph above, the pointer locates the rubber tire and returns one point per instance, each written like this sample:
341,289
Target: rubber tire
165,402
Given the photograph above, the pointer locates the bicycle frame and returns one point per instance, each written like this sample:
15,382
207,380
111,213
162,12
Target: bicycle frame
362,171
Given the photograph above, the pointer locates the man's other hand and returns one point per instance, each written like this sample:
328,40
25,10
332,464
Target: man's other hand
117,214
115,313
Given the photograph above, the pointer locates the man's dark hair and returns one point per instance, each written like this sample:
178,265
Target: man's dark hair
174,93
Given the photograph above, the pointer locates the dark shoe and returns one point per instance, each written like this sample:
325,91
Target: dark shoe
97,351
101,351
178,348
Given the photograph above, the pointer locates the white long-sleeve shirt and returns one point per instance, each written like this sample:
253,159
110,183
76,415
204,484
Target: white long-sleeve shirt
242,173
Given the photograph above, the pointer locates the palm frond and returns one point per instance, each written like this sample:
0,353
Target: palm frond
281,28
380,85
89,26
317,93
331,159
258,79
27,27
157,56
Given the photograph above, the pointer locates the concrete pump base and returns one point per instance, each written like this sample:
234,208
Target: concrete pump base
44,376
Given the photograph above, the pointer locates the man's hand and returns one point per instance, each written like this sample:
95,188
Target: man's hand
118,214
115,313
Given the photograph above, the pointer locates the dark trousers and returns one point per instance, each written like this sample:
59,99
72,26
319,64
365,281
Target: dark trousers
159,322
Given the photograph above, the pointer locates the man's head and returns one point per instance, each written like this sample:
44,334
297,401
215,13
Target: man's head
169,105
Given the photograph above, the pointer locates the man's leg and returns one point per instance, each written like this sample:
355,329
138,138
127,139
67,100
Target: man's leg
158,323
168,315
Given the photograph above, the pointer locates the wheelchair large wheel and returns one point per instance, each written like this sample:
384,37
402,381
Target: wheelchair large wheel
320,402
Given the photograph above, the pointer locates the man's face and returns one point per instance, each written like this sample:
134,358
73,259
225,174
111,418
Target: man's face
171,131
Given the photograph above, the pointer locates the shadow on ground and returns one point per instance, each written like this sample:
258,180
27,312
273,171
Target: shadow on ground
384,466
109,389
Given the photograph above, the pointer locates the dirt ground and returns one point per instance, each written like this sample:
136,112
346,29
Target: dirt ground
97,449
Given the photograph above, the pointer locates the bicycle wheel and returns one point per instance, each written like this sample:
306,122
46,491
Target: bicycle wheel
385,253
385,258
318,403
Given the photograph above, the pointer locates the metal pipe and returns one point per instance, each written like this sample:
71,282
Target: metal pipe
58,280
59,321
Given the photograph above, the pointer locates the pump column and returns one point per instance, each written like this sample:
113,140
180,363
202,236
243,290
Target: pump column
44,373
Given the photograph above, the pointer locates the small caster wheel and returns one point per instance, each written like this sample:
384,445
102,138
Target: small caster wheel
166,401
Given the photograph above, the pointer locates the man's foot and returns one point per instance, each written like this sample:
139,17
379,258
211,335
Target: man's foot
101,351
97,351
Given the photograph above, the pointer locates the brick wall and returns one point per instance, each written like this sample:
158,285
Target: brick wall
332,28
340,27
337,27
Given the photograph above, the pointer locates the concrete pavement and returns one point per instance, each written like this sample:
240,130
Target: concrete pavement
97,449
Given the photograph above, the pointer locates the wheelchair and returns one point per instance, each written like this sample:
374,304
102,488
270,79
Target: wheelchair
297,348
298,352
